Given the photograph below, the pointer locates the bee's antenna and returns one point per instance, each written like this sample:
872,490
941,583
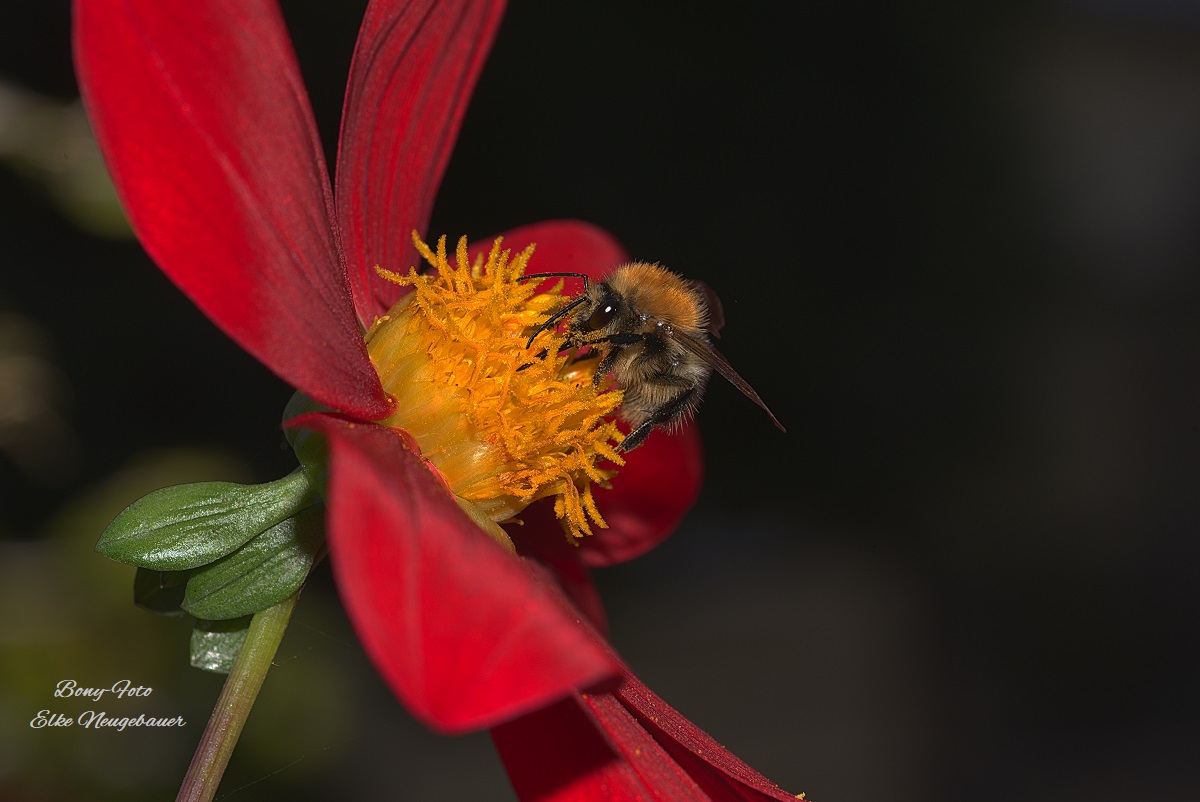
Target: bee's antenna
558,275
553,319
561,313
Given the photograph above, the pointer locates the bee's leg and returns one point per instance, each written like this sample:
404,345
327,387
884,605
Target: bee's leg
605,366
665,414
616,343
592,354
636,437
623,339
540,355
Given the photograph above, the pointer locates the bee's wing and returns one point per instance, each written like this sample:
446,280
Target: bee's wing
721,365
715,319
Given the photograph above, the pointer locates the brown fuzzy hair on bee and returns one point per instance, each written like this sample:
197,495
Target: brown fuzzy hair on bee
665,295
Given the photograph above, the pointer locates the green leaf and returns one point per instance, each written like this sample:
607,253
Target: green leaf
265,571
215,644
186,526
160,592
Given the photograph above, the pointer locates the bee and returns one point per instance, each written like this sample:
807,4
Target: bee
652,330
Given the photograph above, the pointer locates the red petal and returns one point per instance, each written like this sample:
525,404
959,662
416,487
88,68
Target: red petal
722,775
466,634
207,131
619,741
414,67
564,246
541,537
656,487
563,754
625,744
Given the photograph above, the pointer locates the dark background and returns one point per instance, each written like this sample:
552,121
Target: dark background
957,249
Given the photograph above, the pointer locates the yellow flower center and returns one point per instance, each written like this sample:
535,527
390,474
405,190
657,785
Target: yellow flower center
503,424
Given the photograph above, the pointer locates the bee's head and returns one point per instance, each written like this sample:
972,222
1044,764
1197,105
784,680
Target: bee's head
605,313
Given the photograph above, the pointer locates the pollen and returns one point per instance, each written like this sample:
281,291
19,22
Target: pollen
503,423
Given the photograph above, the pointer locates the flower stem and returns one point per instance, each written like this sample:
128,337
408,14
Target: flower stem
233,706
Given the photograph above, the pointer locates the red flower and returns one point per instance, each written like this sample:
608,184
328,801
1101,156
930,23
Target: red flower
202,117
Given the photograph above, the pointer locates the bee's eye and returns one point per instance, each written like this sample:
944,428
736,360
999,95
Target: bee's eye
601,316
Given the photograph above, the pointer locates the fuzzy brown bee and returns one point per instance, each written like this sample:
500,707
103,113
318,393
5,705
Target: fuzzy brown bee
652,331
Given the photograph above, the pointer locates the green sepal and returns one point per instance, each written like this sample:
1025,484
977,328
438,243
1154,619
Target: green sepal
160,592
215,644
187,526
264,572
310,447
